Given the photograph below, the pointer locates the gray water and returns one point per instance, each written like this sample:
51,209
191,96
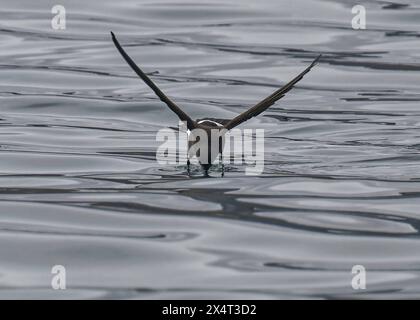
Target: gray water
80,185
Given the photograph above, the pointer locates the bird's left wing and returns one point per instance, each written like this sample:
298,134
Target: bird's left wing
270,100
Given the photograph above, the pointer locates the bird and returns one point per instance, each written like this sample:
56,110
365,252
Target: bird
207,125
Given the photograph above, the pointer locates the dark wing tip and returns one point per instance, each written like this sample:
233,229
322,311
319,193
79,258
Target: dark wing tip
316,60
114,39
270,100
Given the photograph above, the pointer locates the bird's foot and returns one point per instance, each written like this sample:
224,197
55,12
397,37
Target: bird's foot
188,167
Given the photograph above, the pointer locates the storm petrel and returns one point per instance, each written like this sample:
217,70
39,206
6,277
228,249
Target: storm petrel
210,124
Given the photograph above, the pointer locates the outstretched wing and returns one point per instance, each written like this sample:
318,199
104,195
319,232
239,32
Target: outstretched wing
181,114
269,101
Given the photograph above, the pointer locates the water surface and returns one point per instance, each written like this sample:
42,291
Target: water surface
80,186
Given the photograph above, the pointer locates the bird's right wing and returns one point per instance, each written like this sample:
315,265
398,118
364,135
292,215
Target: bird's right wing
181,114
270,100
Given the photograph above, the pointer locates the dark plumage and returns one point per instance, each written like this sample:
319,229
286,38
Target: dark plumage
207,124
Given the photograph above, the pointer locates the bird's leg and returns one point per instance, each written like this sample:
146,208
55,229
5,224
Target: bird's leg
221,156
188,164
222,164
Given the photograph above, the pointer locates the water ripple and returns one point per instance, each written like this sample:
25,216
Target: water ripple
80,186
